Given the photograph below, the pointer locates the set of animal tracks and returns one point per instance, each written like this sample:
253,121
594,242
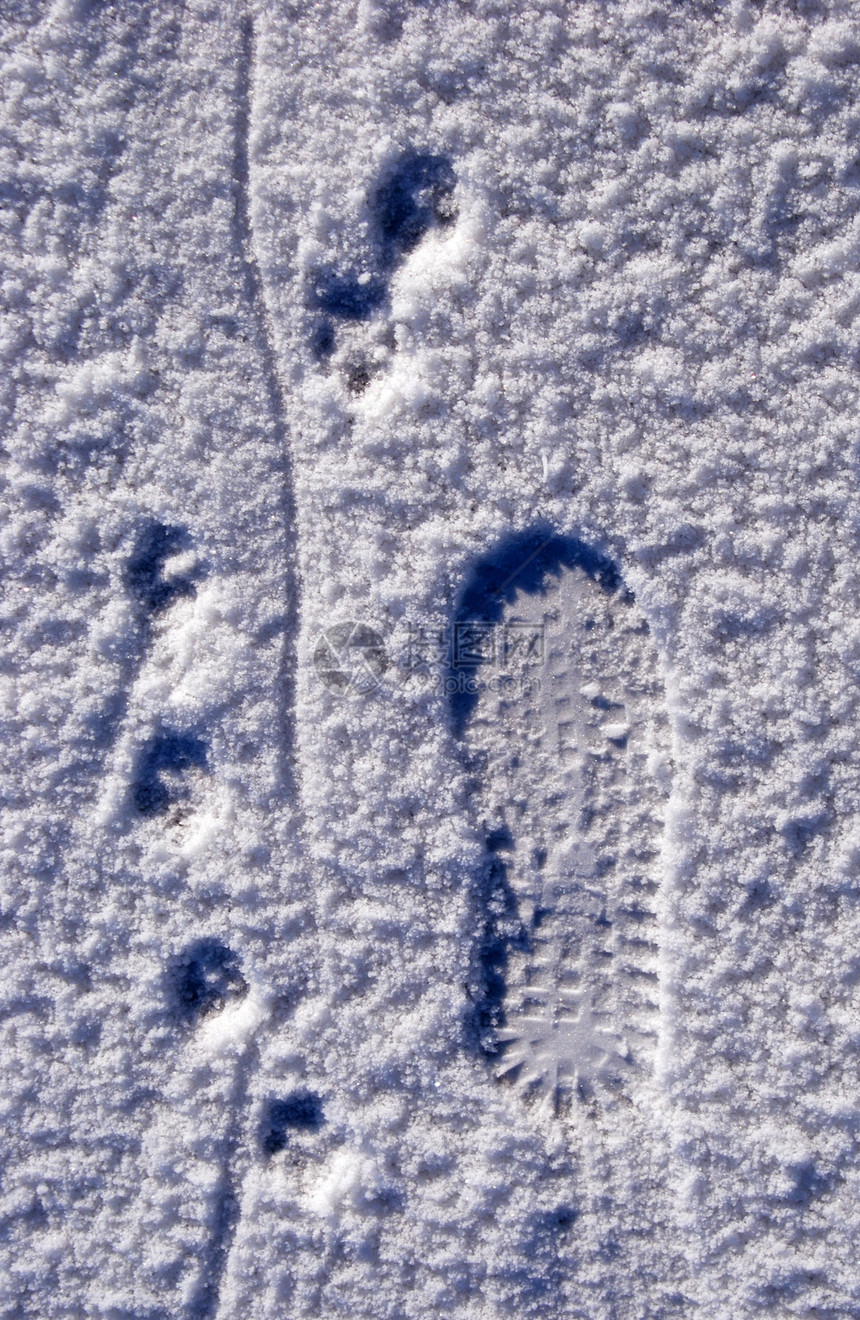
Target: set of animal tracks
571,770
569,773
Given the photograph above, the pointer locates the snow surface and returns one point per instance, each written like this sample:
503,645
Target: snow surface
309,312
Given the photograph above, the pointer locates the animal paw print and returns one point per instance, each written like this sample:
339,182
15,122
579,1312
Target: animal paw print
157,543
205,978
162,770
416,196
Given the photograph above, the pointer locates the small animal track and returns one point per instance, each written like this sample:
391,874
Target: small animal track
162,764
569,744
301,1111
144,574
416,195
205,977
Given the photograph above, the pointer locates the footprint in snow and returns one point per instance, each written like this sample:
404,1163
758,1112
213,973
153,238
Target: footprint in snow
564,728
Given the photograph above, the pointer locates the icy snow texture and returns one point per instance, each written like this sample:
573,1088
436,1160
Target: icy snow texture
634,319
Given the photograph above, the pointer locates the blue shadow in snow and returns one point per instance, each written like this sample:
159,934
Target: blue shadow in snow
347,297
418,194
499,931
